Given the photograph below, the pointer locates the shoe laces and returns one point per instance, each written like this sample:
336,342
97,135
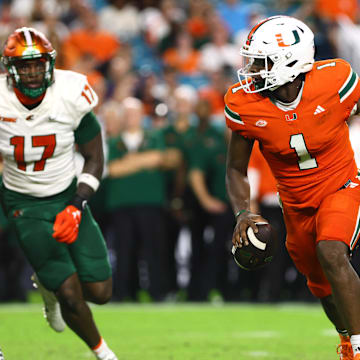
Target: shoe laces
345,351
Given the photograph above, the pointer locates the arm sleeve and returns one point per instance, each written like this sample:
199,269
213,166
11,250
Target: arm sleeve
88,128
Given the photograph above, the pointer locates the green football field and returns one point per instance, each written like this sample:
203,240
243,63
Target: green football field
177,332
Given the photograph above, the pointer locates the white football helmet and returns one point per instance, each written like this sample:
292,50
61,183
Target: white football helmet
276,51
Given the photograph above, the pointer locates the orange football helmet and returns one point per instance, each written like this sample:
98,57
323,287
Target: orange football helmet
26,44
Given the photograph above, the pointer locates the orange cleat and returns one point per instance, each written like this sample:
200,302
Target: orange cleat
345,350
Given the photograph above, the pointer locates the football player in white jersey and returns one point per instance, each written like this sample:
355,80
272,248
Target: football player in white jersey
44,113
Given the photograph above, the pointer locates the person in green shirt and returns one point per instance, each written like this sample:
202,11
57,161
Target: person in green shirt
135,198
207,164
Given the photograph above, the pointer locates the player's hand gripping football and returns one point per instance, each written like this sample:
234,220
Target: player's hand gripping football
66,225
245,220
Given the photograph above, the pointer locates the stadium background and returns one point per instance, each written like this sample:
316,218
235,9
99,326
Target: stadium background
177,58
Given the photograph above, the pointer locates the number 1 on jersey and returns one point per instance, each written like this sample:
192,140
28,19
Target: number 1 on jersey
297,142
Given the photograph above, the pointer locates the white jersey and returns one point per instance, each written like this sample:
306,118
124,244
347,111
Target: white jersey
38,145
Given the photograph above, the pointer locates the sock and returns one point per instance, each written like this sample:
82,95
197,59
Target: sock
102,351
344,335
355,343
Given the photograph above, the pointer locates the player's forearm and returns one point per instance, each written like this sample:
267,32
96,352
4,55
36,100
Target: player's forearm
92,171
238,189
237,182
93,154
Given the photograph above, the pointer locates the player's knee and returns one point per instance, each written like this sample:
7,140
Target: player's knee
102,296
332,255
70,300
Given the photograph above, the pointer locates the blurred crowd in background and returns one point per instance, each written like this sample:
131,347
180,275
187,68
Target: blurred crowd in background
161,69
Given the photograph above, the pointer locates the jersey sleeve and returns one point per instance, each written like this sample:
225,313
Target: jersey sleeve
81,97
232,116
348,85
89,128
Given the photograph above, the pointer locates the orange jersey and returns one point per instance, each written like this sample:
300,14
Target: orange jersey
267,183
307,149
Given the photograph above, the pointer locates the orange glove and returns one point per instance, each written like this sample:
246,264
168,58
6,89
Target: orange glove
66,225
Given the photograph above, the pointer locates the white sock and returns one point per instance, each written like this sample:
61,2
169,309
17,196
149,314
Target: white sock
103,352
355,343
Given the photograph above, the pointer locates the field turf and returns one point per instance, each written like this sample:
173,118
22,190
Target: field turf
177,332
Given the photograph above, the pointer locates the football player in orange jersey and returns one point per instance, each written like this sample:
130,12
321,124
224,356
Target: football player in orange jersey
297,109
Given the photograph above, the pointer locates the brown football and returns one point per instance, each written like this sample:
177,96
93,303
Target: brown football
261,249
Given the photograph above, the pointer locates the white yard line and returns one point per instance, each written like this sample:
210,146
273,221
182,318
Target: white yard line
257,354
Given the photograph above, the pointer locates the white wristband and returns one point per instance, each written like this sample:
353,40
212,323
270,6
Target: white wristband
89,180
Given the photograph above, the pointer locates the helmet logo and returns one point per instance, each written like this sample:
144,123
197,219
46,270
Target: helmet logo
280,39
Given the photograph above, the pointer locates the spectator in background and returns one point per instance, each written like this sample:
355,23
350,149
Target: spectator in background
210,255
166,86
154,24
219,52
135,197
47,20
183,55
86,64
111,114
143,91
119,73
197,22
121,19
89,40
180,126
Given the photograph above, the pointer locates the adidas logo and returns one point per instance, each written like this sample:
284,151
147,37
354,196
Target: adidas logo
318,110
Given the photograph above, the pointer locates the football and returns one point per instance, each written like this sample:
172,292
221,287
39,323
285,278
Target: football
261,249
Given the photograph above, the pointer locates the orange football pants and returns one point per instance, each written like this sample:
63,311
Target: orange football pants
336,219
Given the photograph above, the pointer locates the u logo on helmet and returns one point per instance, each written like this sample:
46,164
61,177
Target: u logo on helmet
280,39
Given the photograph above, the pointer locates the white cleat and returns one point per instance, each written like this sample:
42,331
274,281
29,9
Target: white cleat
51,308
106,356
111,357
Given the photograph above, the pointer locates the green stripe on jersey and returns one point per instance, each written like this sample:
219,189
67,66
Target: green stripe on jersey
89,127
233,115
348,86
356,232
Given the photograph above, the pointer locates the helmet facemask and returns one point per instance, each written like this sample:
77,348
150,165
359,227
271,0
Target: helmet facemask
17,71
256,74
